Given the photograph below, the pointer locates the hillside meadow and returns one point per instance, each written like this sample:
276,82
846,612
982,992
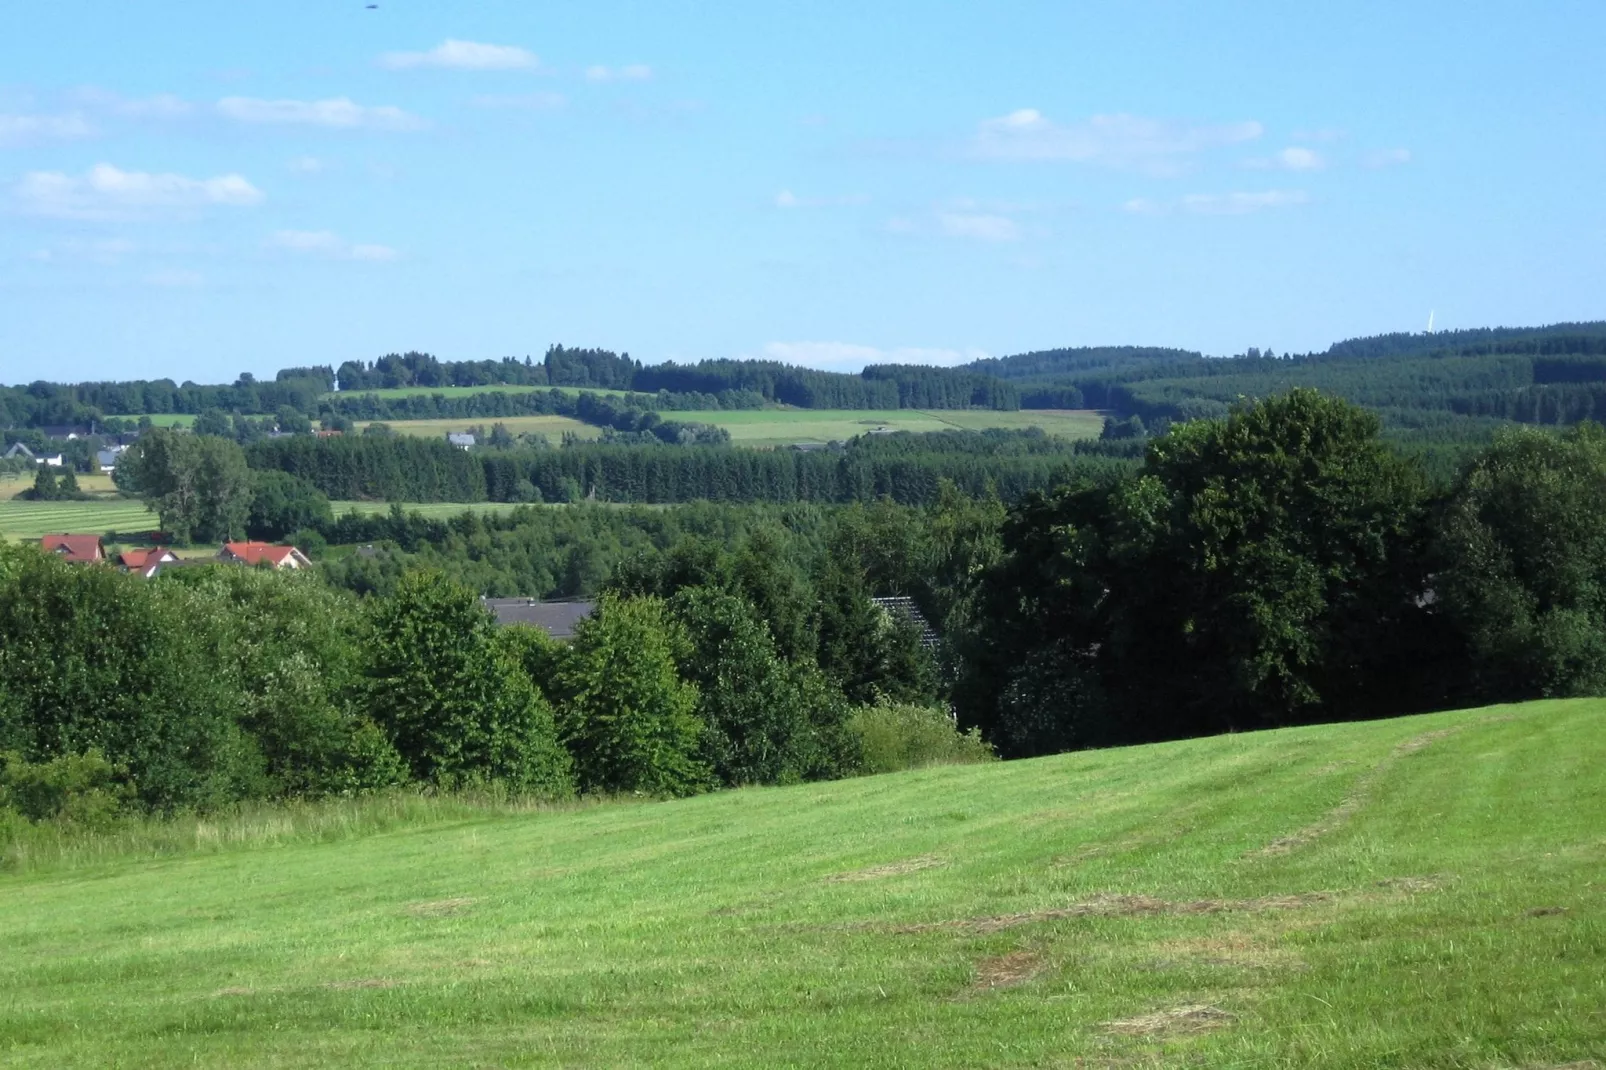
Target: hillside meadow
784,426
1420,892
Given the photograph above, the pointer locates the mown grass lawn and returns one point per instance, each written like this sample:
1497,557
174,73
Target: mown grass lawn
1423,892
783,427
469,391
30,520
553,427
780,427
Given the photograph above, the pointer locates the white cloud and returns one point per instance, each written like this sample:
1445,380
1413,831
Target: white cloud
463,56
159,106
989,228
635,72
847,356
1387,158
1241,203
521,101
339,113
1289,159
787,199
329,244
107,192
1120,140
1143,206
25,129
308,165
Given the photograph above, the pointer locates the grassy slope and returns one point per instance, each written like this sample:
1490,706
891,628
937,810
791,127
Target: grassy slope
30,520
551,426
907,920
782,427
467,391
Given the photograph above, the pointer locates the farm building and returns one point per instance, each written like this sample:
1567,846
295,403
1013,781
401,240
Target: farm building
557,619
145,562
78,549
262,553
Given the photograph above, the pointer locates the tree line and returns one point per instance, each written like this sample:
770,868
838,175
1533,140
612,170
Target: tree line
219,684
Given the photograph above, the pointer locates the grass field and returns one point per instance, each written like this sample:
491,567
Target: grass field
552,427
172,419
30,520
14,483
468,391
1423,892
783,427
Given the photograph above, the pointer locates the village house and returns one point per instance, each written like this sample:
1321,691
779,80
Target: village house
557,619
106,459
145,562
461,441
263,553
77,549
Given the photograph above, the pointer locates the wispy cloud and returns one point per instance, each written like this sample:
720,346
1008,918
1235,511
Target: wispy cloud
28,129
328,244
1289,159
340,113
1387,158
1120,140
978,227
107,192
521,101
308,165
463,56
635,72
159,106
787,199
848,356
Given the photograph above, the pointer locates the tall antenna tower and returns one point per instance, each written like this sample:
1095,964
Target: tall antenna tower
1430,320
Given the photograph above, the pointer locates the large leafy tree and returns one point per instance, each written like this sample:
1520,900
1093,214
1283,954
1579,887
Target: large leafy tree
628,718
199,485
282,503
1524,552
453,700
94,659
1263,568
765,719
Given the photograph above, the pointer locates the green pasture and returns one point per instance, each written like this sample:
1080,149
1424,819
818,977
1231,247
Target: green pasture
30,520
1416,893
14,483
551,426
468,391
170,419
782,427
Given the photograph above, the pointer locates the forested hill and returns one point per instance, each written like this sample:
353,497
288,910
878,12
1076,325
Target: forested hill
1448,386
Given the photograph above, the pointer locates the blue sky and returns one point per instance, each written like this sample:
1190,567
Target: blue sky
193,190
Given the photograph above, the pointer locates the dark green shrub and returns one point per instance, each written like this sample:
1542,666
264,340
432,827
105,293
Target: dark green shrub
894,736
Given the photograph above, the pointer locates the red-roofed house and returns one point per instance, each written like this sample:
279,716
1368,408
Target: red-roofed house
145,562
79,549
263,553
